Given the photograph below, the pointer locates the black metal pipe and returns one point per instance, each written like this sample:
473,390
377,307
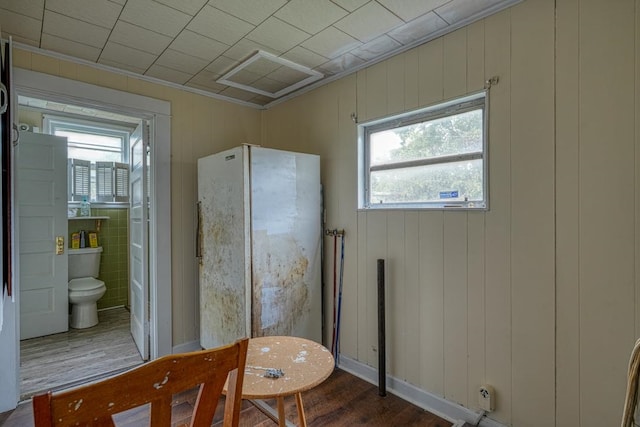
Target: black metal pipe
382,361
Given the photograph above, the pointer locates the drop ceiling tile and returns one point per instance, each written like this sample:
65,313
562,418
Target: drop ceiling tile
155,17
205,88
121,66
179,61
190,7
19,39
331,43
458,10
311,16
206,79
198,45
70,47
350,5
411,9
376,48
236,93
418,29
263,66
277,35
127,55
245,77
305,57
219,25
245,48
20,25
102,13
249,10
32,8
269,85
74,29
287,75
340,64
139,38
221,65
359,24
168,74
260,100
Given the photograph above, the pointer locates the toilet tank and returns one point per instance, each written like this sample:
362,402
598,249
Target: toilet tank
84,262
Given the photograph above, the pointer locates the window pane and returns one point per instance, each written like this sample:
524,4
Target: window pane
92,140
455,134
441,183
93,155
89,146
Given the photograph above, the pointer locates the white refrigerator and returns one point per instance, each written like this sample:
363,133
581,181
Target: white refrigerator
259,236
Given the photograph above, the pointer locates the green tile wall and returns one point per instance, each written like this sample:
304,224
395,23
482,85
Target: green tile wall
114,263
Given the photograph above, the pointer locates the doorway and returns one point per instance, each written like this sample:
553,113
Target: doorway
157,113
66,161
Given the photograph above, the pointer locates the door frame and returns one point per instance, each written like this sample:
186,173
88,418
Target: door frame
158,114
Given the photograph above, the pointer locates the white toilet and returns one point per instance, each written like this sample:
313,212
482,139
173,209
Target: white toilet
84,289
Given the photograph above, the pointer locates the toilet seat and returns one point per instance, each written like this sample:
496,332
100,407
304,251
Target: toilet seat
85,284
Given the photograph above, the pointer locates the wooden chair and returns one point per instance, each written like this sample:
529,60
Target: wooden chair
154,382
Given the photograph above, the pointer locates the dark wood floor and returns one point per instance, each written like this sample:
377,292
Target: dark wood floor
342,400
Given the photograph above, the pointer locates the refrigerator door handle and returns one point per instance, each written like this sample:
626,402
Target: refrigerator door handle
199,234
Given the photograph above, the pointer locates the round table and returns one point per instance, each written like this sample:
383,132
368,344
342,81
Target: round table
304,365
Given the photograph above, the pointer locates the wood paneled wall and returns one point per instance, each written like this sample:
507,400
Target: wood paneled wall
476,289
597,214
538,296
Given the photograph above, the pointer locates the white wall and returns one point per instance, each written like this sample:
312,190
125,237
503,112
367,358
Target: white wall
8,357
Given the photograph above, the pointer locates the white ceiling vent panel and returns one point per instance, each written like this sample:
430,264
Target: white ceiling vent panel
269,75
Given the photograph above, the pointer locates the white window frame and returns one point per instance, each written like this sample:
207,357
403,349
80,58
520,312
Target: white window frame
53,123
479,100
98,127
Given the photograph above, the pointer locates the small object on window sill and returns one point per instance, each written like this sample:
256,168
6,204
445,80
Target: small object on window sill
71,212
85,207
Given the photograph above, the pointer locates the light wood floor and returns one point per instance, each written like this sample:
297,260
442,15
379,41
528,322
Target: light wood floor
342,400
80,355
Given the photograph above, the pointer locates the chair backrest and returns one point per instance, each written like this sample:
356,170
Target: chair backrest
153,383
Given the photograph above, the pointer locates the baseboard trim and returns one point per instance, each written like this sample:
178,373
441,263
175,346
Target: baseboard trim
431,402
186,347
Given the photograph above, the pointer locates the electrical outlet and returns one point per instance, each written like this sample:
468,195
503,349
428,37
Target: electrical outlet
486,398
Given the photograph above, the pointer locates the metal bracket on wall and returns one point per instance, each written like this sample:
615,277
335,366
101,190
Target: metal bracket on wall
491,82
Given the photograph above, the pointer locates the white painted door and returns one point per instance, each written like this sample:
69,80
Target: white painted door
138,250
41,197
